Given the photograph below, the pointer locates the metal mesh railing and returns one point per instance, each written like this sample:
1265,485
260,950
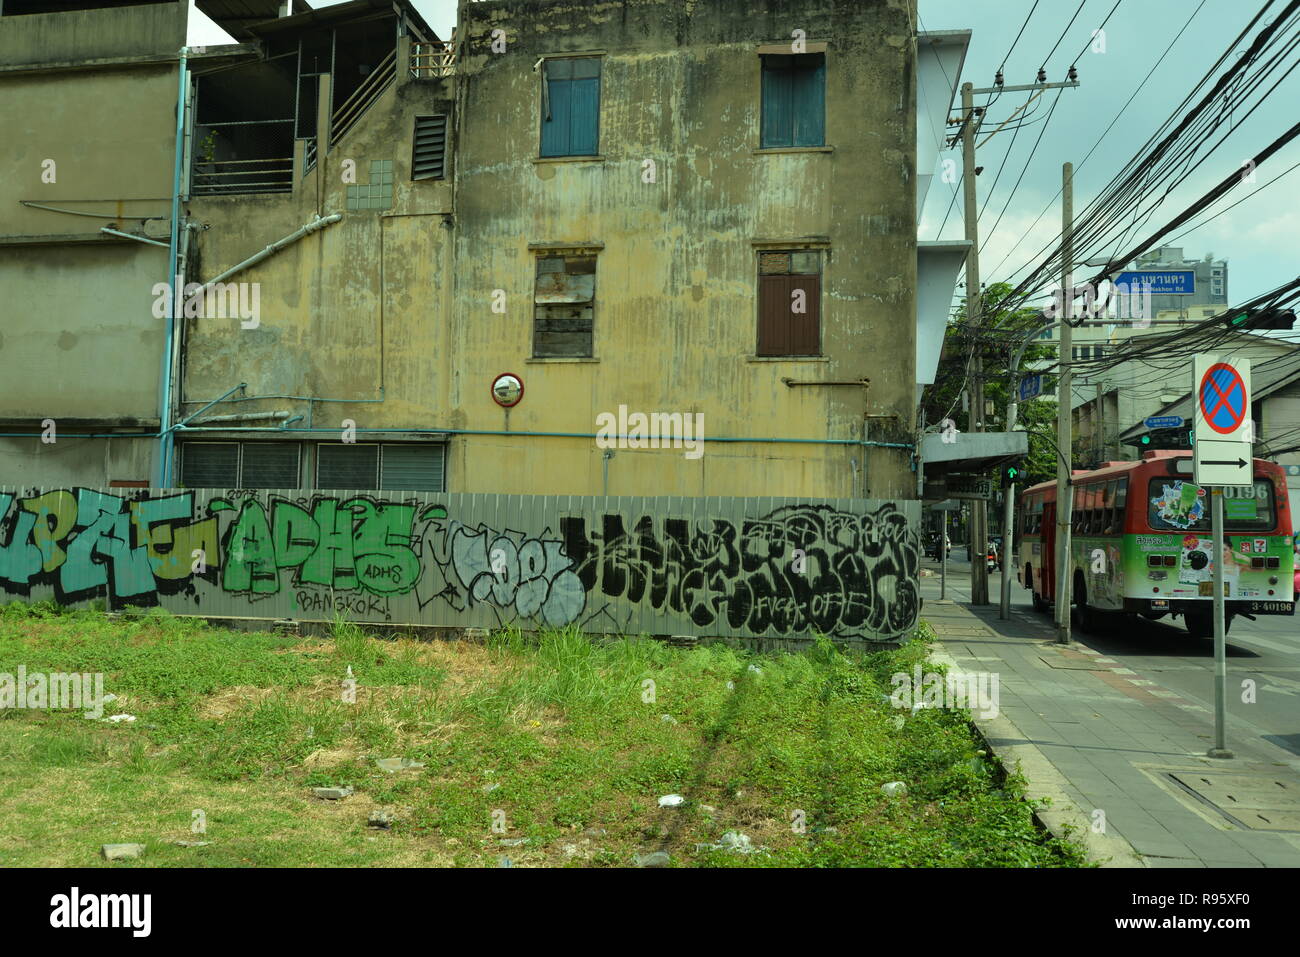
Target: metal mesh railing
253,156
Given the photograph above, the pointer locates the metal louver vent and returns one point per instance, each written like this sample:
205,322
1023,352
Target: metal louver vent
430,155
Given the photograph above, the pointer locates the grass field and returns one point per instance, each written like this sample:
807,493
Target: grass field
560,740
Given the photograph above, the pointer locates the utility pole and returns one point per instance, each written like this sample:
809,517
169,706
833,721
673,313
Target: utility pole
1064,438
979,542
1101,426
979,573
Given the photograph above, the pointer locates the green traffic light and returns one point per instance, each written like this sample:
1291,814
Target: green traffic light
1146,440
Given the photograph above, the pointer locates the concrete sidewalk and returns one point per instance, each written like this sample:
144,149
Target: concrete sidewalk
1102,740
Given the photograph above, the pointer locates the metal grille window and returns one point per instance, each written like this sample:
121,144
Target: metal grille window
210,465
269,465
413,467
789,302
794,100
570,106
240,464
429,159
564,306
347,466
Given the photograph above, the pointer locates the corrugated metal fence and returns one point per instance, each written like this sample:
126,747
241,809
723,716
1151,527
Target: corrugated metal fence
730,567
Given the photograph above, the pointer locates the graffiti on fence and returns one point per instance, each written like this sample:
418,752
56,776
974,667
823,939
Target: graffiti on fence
794,570
797,569
85,543
522,577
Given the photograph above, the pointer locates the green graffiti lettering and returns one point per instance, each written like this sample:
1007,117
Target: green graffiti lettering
250,553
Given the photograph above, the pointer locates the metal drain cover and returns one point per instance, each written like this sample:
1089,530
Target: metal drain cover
1258,802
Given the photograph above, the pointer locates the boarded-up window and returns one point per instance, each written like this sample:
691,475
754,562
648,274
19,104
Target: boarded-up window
789,302
571,106
794,100
429,160
564,306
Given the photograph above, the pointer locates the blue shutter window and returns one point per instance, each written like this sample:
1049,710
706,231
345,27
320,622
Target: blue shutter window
794,101
571,107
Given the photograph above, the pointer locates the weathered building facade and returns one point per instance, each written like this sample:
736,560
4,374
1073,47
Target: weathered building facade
87,106
700,213
602,312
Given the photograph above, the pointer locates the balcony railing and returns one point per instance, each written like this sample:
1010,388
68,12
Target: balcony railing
371,88
432,60
218,177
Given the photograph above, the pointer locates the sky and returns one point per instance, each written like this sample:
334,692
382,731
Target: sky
1258,237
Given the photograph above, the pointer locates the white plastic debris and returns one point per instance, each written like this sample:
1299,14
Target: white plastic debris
667,719
737,841
894,789
731,686
119,718
734,841
671,800
755,669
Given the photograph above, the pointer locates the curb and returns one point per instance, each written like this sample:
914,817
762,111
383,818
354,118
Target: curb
1063,818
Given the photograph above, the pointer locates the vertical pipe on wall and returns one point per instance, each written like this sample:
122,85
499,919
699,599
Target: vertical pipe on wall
165,438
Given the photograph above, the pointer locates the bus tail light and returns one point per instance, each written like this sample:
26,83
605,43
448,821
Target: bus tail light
1274,561
1153,561
1171,560
1257,563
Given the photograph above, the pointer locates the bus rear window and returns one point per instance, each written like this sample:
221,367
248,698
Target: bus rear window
1177,506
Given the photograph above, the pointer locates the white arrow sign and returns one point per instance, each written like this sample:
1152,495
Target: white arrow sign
1223,450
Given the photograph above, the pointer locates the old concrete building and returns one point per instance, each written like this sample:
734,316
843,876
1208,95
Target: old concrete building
411,263
87,106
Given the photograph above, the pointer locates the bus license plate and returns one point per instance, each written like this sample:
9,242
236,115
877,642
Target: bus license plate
1280,607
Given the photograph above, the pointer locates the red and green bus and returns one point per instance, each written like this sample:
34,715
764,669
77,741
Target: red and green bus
1141,543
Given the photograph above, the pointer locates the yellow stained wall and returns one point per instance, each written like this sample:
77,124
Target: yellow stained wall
675,314
80,341
676,309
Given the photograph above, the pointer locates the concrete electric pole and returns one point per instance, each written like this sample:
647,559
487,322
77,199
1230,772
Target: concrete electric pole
979,574
974,310
1064,438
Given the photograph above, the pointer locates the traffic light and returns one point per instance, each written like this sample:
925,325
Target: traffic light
1012,473
1270,318
1182,437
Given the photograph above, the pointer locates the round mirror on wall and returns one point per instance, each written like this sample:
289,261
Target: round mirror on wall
507,390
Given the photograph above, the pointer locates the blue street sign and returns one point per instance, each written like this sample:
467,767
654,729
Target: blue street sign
1030,386
1163,282
1163,422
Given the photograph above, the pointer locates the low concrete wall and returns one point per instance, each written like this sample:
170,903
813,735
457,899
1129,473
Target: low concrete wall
742,568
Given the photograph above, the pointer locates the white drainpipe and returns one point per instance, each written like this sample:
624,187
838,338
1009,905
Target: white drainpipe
320,222
241,417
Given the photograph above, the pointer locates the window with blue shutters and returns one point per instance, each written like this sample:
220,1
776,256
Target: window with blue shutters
794,100
571,106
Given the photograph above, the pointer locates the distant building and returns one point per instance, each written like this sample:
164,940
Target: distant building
1211,282
1111,403
1097,339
